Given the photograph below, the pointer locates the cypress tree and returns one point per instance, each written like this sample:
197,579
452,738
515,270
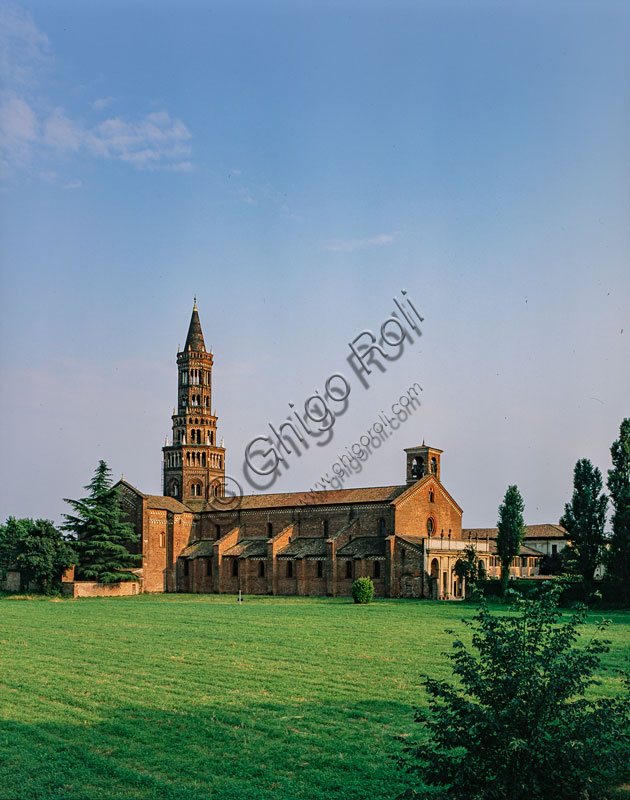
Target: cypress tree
584,519
511,529
101,534
619,488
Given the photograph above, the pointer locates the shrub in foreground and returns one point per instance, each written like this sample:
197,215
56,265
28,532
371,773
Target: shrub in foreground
516,724
362,590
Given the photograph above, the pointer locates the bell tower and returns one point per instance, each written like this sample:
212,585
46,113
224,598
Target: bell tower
421,461
194,464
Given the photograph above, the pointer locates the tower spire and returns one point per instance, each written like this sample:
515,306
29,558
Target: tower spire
194,340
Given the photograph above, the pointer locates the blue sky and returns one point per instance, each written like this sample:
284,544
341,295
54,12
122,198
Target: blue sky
294,166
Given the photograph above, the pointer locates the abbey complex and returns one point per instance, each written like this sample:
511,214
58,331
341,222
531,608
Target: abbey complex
406,538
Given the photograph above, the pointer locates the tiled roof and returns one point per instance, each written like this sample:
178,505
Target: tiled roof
376,494
202,549
303,547
194,340
546,531
414,541
247,548
166,504
363,546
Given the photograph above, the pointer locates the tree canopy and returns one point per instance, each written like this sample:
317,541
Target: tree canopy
511,529
619,488
584,519
516,724
102,535
42,555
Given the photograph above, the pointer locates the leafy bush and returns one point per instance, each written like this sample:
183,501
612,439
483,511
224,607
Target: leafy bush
362,590
516,724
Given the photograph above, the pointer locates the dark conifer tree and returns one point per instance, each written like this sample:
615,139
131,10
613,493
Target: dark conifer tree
619,488
584,519
101,534
511,529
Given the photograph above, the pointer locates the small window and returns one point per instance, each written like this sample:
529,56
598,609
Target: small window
431,496
554,549
348,569
320,569
403,553
381,527
434,465
235,568
430,526
524,561
162,539
269,530
289,569
217,531
325,526
186,568
261,569
208,566
377,569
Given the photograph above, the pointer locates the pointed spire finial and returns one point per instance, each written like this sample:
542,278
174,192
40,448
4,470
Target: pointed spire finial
195,304
423,443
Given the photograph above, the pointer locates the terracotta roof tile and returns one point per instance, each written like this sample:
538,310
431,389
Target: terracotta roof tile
377,494
247,548
363,546
303,547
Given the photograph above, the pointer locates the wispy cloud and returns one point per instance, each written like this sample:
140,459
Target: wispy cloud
31,134
351,245
73,185
102,102
24,50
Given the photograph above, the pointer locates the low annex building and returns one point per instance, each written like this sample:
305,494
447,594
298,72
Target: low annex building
406,538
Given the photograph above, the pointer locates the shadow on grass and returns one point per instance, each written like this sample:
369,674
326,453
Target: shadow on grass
270,752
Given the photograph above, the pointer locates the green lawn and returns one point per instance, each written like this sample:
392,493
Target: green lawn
195,697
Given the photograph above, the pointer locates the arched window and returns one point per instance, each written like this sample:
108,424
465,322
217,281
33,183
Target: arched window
289,569
174,489
431,496
208,567
430,526
377,569
325,526
185,567
320,569
434,465
269,530
348,568
217,531
235,568
414,469
162,539
381,527
203,460
261,569
195,490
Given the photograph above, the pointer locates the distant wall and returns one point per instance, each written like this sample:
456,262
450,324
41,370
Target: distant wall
93,589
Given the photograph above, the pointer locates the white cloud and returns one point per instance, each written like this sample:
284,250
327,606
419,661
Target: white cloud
73,185
18,130
32,136
61,133
351,245
152,141
102,102
24,50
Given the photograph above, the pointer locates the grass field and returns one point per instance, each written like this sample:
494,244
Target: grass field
194,697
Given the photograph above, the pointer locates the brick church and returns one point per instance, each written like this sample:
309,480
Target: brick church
406,538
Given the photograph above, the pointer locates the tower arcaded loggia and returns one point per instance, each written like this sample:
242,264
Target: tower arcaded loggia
194,466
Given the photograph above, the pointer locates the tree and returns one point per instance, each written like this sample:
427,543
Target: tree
10,534
619,488
42,555
470,568
511,531
101,535
516,724
584,519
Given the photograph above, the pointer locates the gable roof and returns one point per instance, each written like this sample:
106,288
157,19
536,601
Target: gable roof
376,494
409,490
167,504
303,547
545,531
247,548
